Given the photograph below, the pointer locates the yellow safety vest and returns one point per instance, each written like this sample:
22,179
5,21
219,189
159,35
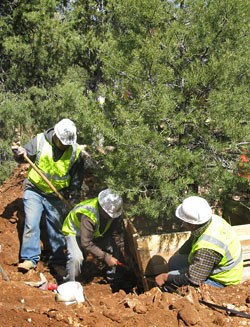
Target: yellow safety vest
220,237
89,208
56,172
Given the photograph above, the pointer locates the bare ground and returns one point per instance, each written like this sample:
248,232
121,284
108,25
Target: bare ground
23,305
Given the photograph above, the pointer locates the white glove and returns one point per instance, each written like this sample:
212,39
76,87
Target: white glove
18,151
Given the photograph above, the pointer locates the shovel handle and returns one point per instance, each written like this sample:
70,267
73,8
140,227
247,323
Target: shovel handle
66,203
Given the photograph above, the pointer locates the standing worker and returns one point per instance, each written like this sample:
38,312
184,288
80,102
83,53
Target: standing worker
95,226
58,156
215,257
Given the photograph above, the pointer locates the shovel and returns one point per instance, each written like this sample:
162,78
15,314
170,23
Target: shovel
119,263
68,205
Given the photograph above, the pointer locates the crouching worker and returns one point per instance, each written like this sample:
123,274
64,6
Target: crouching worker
95,227
215,255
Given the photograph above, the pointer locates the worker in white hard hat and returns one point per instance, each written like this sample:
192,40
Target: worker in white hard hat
58,156
95,227
215,254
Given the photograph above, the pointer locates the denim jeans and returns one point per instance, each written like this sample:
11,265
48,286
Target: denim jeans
34,206
178,264
75,258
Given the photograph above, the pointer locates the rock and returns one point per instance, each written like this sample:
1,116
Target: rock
189,315
113,315
186,312
131,303
218,319
140,308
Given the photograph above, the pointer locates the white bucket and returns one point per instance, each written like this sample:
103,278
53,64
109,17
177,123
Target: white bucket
70,292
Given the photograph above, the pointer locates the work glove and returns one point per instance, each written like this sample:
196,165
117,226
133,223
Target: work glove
18,151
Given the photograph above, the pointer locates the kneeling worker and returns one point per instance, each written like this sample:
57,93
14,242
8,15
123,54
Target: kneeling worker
215,257
94,226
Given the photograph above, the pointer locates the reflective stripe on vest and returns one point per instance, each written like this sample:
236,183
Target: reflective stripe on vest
56,172
220,237
230,261
89,208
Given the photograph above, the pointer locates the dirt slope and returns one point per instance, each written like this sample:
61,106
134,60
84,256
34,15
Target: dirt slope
23,305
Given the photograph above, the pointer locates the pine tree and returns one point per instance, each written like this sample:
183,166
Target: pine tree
158,90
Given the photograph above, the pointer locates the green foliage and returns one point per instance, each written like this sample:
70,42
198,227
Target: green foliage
6,163
174,75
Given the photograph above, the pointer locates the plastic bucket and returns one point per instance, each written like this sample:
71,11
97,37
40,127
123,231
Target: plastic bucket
70,292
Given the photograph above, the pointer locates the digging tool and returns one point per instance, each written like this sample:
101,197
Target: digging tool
119,263
232,311
174,289
68,205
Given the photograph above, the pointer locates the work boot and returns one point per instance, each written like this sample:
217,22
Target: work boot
26,266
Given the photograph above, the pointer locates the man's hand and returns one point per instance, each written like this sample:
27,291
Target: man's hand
110,261
18,151
161,279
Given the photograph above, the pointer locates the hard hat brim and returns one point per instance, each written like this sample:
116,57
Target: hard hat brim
182,216
179,214
112,215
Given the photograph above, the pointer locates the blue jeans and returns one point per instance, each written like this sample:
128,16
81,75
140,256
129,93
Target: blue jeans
75,258
178,264
34,206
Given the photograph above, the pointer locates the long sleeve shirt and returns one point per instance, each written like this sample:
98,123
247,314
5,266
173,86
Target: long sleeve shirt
201,266
76,172
87,239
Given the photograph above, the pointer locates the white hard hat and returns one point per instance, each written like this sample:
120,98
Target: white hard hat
111,203
194,210
65,130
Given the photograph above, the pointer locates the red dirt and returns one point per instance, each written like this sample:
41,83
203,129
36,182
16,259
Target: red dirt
23,305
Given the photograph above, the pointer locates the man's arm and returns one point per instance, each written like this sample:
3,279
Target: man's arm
199,270
202,265
87,231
